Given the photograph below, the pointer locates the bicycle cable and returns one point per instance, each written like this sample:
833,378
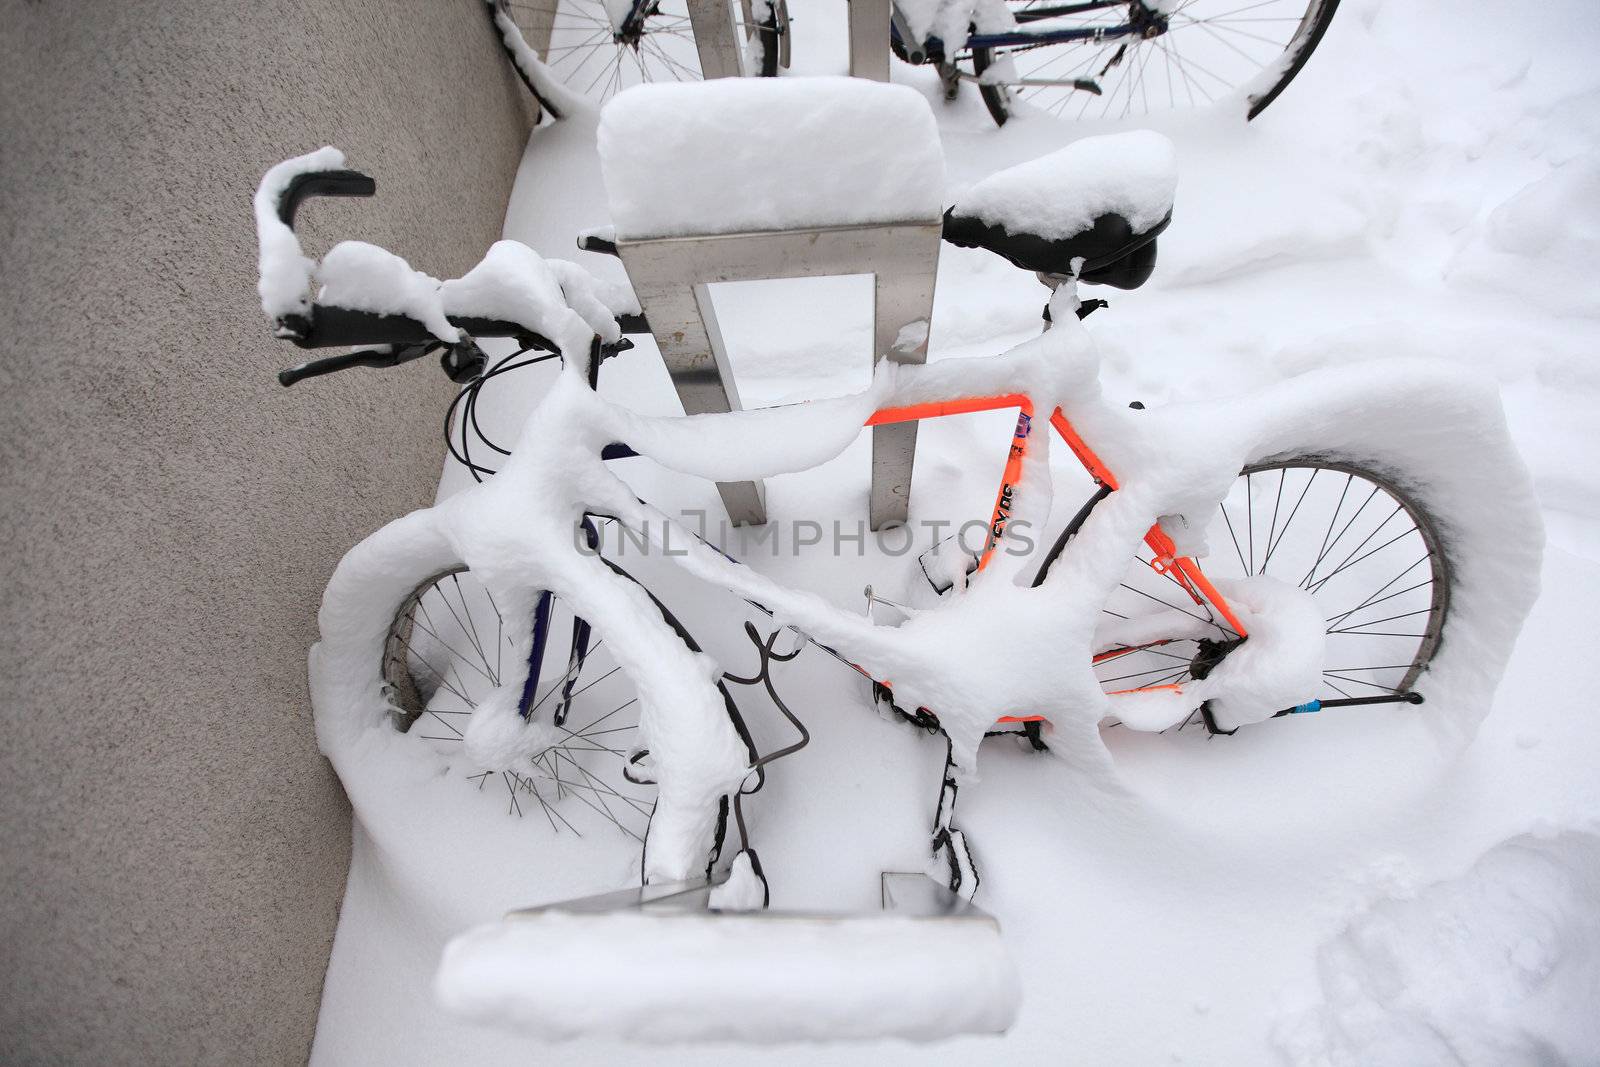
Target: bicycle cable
466,402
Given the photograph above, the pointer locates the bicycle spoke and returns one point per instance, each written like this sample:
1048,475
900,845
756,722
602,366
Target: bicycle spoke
1376,622
1350,560
1328,548
1374,598
1272,546
1360,681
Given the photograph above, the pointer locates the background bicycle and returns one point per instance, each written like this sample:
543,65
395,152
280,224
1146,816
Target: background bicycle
600,47
1115,58
1089,59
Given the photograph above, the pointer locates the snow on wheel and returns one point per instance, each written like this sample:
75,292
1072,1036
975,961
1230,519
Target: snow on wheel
449,646
1358,544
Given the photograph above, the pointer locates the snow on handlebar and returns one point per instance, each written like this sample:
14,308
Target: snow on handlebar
373,300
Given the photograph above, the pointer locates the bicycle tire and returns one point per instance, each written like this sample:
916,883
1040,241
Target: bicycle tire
596,63
1419,604
1102,57
436,664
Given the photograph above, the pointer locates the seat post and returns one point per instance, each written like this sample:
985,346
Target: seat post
1055,282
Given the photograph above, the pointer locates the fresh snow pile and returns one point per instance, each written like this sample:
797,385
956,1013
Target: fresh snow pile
684,976
741,154
1058,195
1555,222
1500,965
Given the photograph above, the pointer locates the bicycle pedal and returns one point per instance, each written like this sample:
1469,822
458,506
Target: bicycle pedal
939,565
1212,729
953,859
640,769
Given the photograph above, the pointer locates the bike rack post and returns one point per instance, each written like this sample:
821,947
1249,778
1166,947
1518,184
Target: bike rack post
671,276
869,39
716,38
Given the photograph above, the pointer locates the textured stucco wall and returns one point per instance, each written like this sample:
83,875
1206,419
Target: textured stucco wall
172,847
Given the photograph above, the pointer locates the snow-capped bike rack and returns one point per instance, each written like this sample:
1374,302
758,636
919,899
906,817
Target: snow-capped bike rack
625,957
861,224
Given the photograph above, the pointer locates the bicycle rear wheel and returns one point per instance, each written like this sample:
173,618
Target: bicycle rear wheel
600,47
1203,51
1352,536
447,648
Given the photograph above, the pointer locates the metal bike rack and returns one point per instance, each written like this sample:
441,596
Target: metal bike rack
910,894
671,276
786,975
869,39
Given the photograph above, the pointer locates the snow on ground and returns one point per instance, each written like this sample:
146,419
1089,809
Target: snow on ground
1292,894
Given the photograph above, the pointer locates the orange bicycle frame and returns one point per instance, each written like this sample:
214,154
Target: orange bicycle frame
1182,569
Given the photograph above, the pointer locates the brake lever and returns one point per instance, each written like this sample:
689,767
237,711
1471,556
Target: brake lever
378,358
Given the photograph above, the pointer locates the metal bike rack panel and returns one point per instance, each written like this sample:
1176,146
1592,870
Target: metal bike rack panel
672,275
869,39
716,38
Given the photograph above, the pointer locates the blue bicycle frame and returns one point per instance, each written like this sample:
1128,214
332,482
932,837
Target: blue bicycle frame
1020,37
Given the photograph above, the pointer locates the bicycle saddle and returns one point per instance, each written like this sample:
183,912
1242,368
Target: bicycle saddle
1102,200
1113,252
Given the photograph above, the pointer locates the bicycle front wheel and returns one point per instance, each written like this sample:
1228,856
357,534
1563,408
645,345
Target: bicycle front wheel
600,47
447,648
1355,539
1184,54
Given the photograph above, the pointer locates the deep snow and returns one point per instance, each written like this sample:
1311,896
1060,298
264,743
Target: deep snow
1281,894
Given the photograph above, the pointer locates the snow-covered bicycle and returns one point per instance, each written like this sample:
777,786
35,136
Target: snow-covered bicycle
1369,540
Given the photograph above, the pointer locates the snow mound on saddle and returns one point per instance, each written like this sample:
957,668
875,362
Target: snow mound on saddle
1133,174
735,155
1499,965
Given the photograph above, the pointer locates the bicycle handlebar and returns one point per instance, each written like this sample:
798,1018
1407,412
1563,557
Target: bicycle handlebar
321,183
387,340
403,338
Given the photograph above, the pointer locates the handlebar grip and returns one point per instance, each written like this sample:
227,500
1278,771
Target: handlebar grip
597,242
321,183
